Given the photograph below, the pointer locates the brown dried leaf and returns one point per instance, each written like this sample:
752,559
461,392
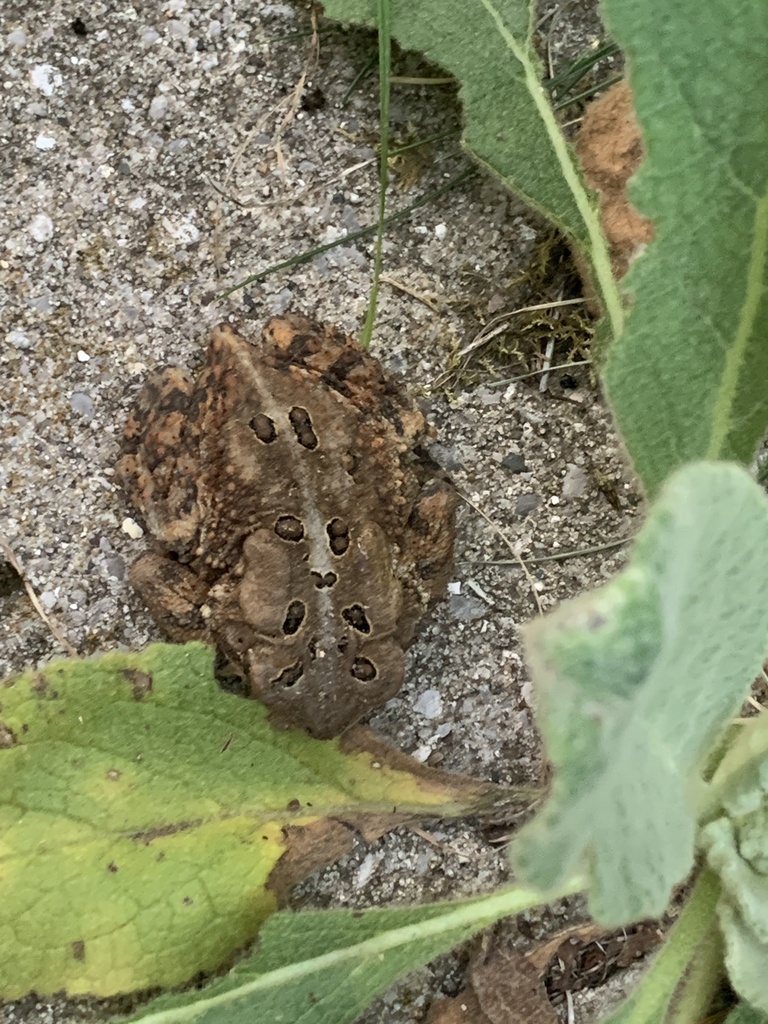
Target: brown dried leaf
461,1009
510,989
610,148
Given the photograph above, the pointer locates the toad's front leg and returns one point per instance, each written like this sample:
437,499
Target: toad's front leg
174,595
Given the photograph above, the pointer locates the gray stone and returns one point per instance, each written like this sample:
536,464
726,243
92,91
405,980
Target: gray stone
514,462
527,503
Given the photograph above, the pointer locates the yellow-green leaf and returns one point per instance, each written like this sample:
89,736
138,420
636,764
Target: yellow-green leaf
143,810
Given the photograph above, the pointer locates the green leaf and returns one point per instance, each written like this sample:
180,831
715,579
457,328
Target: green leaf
142,811
635,683
325,967
736,843
509,126
744,1014
745,958
687,379
685,973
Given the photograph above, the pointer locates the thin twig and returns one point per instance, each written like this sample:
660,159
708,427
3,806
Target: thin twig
491,330
548,353
497,529
310,61
562,556
292,102
353,236
544,382
419,296
8,552
535,373
319,184
569,1001
364,70
404,80
385,60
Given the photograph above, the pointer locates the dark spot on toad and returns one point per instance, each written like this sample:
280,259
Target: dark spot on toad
364,670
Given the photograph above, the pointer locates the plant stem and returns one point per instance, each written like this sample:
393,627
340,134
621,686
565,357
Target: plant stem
385,57
598,250
353,236
685,972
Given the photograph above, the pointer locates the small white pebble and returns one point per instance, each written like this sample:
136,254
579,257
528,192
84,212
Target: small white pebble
18,339
429,704
184,231
46,78
48,600
132,528
83,357
365,871
477,589
45,142
82,404
454,587
422,753
41,227
440,232
575,482
17,39
158,108
178,29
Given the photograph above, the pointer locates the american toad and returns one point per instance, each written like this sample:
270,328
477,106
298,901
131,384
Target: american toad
297,522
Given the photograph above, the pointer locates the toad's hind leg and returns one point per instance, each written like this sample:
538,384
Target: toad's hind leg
173,593
158,468
429,544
